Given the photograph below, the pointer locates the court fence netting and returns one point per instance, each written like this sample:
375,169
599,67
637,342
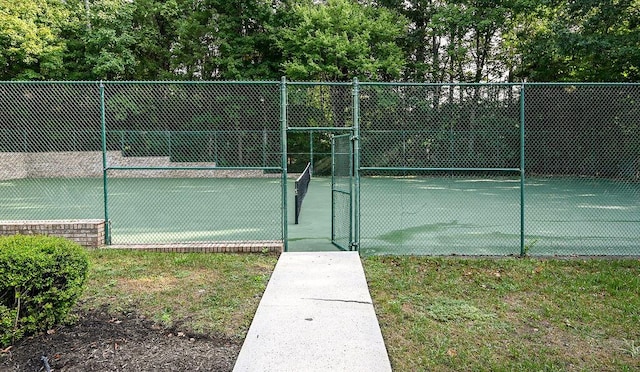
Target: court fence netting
464,169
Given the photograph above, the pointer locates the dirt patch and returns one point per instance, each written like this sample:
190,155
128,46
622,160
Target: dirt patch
100,342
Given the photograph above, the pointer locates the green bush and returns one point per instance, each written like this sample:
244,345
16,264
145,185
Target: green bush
40,279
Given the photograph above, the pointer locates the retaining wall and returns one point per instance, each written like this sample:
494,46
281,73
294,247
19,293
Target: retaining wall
12,166
76,164
88,233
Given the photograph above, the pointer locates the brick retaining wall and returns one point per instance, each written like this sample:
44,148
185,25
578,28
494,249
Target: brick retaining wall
88,233
271,246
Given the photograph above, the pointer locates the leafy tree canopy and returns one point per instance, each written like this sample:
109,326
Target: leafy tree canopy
30,43
342,39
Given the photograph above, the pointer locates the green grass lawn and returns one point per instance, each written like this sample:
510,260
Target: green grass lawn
436,314
448,314
205,293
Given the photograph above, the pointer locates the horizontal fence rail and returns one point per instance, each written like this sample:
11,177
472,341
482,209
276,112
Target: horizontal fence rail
468,169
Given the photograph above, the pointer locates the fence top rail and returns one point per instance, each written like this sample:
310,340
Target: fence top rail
143,82
494,84
319,83
48,82
319,129
408,84
310,83
194,82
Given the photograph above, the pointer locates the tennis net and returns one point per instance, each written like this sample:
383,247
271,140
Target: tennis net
302,184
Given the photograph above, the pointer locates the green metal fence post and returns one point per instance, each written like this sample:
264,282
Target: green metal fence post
103,122
283,149
356,163
522,173
333,183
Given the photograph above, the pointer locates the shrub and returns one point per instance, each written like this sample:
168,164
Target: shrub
40,279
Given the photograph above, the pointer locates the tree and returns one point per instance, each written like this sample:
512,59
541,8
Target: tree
455,41
245,50
110,40
30,43
584,40
339,40
154,24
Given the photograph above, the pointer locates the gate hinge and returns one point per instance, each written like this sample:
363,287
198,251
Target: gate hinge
353,246
353,138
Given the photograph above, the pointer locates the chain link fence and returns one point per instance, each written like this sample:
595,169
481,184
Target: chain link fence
540,169
182,162
316,112
193,162
491,169
43,129
440,169
583,169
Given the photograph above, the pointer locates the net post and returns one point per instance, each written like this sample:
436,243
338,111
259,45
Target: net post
103,123
301,186
283,149
311,150
522,173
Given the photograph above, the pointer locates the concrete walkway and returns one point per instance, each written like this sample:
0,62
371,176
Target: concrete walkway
315,315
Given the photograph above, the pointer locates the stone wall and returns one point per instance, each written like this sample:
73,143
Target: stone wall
68,164
12,166
88,233
89,164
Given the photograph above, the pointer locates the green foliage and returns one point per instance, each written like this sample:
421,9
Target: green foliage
336,40
585,40
30,43
100,40
341,39
41,279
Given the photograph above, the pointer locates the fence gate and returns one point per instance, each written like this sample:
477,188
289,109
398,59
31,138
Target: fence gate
342,216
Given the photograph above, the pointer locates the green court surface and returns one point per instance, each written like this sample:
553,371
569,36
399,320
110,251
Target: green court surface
155,210
428,215
313,231
440,215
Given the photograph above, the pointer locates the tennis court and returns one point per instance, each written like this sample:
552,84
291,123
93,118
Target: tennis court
418,215
416,168
440,215
155,210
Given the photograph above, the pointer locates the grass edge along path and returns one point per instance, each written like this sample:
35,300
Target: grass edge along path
204,293
452,314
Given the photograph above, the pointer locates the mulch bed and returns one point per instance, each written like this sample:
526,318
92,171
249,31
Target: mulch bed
100,342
